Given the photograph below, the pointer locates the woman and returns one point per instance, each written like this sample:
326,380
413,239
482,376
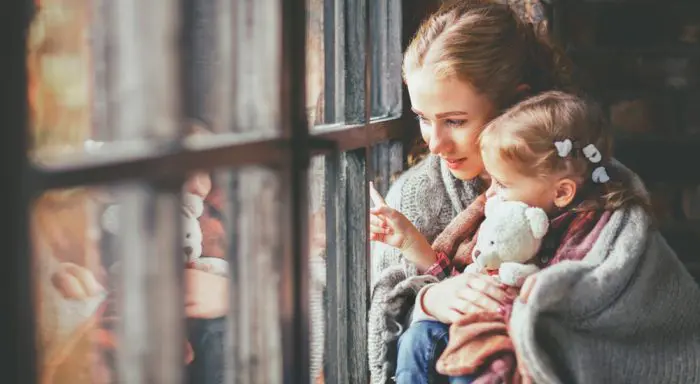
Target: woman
466,64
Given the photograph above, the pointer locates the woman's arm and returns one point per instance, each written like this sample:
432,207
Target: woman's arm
466,293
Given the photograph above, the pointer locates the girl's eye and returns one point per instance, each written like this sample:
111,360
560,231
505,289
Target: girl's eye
455,123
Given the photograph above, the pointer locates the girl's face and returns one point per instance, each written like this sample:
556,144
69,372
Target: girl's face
451,115
548,193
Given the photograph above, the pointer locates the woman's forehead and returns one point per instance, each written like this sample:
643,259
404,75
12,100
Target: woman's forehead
433,96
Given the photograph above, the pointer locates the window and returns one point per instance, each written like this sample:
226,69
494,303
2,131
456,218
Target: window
302,101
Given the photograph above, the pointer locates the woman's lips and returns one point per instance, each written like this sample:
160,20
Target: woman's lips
455,163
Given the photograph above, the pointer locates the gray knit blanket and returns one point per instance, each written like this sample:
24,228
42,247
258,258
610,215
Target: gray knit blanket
629,312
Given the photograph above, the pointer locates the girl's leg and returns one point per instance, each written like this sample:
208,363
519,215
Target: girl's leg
418,350
207,338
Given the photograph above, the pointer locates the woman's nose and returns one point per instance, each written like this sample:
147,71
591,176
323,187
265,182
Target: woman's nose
440,142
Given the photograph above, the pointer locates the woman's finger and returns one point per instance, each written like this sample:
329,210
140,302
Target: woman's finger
528,285
478,299
489,287
463,306
376,197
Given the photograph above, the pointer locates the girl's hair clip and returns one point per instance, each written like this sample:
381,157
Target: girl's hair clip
600,175
563,147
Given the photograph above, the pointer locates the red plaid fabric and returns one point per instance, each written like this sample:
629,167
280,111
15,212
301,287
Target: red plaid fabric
442,268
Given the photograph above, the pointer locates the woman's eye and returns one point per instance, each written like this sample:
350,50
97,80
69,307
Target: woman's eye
455,123
421,119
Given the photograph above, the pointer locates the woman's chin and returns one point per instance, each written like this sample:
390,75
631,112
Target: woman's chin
465,172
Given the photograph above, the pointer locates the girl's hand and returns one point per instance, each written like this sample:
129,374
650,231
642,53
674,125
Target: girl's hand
467,293
391,227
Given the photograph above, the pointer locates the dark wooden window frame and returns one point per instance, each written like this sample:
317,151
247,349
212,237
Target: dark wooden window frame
347,149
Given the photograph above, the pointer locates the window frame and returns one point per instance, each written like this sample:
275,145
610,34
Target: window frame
347,149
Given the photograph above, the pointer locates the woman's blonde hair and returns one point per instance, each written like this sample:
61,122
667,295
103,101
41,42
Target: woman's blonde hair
487,45
525,137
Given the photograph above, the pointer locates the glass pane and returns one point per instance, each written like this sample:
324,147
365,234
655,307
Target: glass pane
324,63
256,59
110,263
316,92
101,71
107,283
317,265
385,30
257,281
387,164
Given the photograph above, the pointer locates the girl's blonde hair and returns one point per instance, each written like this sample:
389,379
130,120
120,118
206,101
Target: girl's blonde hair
525,137
487,45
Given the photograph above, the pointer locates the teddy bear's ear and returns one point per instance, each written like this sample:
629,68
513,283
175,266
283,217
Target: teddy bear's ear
539,222
192,204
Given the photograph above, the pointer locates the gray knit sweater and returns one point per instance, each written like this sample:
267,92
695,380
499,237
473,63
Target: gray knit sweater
628,313
430,197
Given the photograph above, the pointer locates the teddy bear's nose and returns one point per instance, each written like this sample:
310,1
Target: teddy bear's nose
477,253
188,251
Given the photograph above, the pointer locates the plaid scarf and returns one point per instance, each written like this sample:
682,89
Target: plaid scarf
479,343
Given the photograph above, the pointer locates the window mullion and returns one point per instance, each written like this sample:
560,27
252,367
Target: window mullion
18,327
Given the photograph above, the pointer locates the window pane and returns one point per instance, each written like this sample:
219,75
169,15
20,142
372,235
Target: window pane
317,265
385,29
316,90
256,55
324,63
101,71
257,281
107,270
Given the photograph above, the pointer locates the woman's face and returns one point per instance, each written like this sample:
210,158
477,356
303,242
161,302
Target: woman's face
451,115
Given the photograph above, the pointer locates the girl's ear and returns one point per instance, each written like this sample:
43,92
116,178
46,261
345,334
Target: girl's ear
565,192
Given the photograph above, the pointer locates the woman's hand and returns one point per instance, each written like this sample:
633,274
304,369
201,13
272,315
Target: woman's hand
206,294
527,288
76,282
391,227
467,293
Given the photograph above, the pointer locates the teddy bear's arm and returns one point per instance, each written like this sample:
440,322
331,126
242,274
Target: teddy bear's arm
514,274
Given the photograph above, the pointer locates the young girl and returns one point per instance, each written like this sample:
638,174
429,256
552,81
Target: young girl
552,151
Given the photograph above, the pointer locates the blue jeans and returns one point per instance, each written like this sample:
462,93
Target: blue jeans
418,351
207,338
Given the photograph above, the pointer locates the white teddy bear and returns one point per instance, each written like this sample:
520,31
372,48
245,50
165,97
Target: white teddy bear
509,237
192,209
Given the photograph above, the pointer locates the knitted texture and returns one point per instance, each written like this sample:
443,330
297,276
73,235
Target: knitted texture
628,313
430,197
